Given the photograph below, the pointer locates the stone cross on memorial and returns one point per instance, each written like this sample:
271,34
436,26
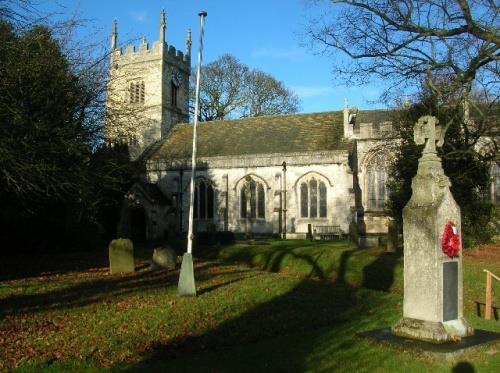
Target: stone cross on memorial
432,306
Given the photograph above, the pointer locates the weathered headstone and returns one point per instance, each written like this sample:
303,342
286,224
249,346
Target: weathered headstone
164,258
392,236
121,256
432,307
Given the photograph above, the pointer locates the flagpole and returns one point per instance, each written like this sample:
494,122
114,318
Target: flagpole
186,279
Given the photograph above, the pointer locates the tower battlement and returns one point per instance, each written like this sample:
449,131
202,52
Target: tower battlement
374,124
158,50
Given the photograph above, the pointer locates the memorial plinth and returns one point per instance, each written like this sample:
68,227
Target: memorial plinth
433,302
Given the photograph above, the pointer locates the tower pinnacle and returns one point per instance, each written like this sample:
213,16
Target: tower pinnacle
188,43
163,26
114,35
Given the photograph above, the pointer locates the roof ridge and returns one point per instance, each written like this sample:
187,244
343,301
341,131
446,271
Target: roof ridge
280,116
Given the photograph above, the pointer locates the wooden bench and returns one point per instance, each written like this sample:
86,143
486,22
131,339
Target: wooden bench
327,232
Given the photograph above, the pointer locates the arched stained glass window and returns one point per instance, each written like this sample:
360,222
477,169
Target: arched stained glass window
313,199
253,200
203,200
376,178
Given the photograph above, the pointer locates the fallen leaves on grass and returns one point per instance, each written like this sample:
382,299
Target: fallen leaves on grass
488,252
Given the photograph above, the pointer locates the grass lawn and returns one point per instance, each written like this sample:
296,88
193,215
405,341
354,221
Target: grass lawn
263,305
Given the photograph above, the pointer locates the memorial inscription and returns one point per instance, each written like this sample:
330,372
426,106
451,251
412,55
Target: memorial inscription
450,291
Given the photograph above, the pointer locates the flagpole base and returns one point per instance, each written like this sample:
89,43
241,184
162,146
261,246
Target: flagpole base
186,285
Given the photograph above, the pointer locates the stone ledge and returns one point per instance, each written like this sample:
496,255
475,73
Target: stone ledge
385,335
338,157
427,331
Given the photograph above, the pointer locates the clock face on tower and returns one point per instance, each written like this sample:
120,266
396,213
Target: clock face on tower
176,77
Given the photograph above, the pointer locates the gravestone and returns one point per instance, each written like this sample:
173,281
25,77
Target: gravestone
164,258
432,306
392,236
121,256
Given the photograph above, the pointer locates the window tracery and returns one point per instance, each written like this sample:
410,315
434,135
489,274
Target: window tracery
376,179
252,200
203,200
313,198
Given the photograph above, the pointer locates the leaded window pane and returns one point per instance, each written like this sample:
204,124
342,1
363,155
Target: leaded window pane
381,188
322,200
195,204
314,198
253,200
261,201
210,202
203,199
304,195
372,191
243,207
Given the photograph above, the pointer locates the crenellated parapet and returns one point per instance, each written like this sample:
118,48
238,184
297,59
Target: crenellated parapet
367,124
373,130
160,49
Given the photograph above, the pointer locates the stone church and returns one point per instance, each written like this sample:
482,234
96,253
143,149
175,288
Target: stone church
277,175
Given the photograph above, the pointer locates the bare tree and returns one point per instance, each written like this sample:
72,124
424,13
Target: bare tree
230,89
222,87
16,11
268,96
405,42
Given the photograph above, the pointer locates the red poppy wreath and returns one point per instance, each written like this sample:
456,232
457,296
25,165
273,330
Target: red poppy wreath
450,241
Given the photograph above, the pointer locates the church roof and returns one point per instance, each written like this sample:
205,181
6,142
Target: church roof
374,116
258,135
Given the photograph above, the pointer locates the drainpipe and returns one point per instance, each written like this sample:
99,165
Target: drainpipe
280,213
181,175
284,199
226,210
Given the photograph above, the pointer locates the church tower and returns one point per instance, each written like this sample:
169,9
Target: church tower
148,90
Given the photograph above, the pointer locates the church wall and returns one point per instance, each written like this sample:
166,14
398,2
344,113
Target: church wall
228,181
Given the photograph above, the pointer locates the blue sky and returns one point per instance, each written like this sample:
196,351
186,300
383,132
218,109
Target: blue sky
264,34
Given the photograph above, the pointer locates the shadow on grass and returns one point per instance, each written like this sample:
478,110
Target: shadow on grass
463,367
308,306
24,265
379,275
310,259
107,288
312,305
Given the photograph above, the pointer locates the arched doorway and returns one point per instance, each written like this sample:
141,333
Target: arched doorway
138,225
